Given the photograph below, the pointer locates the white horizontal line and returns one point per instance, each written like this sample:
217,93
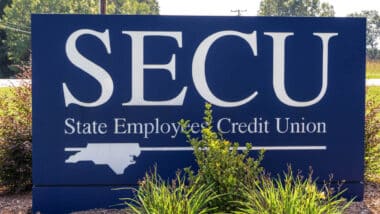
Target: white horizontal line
74,149
289,148
239,148
189,148
166,148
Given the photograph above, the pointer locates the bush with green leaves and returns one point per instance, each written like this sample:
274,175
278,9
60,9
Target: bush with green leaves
231,181
16,137
221,163
292,194
156,196
372,129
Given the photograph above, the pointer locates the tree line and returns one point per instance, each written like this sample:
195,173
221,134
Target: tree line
317,8
15,21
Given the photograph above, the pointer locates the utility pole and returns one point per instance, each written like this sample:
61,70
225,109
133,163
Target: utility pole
238,11
102,6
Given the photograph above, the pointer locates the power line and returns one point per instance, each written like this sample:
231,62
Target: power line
17,25
14,29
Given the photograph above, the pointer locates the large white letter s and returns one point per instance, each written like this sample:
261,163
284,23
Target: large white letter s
89,67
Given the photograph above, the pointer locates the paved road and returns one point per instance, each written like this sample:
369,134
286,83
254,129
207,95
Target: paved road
372,82
11,82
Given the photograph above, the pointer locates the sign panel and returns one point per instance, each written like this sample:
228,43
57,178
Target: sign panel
108,92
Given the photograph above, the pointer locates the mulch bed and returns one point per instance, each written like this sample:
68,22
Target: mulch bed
371,202
22,203
15,204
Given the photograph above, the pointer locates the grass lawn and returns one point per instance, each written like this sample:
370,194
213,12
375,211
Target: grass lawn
4,90
373,70
373,92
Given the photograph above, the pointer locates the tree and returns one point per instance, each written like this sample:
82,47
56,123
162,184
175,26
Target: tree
295,8
4,71
17,15
373,31
132,7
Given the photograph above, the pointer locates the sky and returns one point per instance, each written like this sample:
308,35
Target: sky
224,7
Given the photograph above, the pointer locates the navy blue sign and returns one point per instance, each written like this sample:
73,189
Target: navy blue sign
108,92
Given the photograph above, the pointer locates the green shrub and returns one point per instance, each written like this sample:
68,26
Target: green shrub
155,196
16,137
221,165
290,195
230,181
372,143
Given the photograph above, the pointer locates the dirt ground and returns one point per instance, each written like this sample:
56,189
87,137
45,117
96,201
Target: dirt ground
15,204
371,202
22,203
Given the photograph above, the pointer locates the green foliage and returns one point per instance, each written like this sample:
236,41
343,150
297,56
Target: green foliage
4,62
16,137
229,181
290,195
132,7
373,31
4,71
295,8
3,3
159,197
221,164
17,17
372,129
